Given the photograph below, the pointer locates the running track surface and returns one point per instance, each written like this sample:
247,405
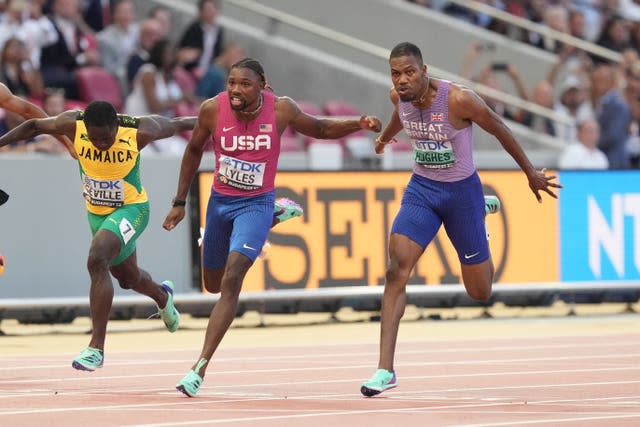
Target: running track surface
553,372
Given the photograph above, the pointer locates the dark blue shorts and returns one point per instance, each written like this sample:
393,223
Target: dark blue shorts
236,224
459,205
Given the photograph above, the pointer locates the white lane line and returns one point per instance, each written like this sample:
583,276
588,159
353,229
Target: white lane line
554,421
316,414
338,364
307,357
83,376
309,414
203,394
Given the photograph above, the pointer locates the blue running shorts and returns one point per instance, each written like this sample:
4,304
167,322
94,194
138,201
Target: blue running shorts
236,224
426,204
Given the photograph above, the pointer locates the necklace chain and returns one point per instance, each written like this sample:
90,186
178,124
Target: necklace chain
250,113
424,94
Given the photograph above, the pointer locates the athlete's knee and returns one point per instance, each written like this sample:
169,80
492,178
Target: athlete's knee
212,286
213,279
479,289
97,261
231,284
478,280
480,294
396,274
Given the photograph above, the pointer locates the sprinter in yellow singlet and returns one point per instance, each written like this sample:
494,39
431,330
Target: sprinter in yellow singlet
108,149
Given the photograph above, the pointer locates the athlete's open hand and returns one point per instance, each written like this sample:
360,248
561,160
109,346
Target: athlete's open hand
371,123
174,216
539,180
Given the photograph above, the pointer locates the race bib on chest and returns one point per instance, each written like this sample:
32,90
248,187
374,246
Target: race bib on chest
433,154
240,174
103,192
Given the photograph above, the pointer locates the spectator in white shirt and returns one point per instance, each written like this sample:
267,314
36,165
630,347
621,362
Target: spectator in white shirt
573,102
584,153
24,21
119,40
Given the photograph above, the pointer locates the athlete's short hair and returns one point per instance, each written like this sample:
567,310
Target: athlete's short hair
100,113
406,49
252,64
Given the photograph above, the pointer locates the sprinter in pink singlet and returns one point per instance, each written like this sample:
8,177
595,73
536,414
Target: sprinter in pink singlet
444,189
246,122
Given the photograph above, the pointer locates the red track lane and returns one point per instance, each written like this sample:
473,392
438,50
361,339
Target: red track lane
569,381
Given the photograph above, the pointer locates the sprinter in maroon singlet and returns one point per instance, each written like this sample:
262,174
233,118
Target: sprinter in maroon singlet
246,122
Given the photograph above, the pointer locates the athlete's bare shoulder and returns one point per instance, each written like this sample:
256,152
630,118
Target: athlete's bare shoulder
286,107
460,94
285,102
208,112
64,123
210,104
393,96
464,103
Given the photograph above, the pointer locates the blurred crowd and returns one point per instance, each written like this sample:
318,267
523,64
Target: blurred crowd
62,54
602,96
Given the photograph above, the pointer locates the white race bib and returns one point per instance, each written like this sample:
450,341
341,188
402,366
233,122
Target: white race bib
103,192
239,173
433,154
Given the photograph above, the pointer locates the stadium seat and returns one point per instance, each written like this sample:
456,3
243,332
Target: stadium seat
289,140
403,145
325,155
310,108
96,83
360,148
185,80
289,144
340,108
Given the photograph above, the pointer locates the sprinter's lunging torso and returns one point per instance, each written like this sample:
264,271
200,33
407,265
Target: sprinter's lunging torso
110,178
441,152
246,151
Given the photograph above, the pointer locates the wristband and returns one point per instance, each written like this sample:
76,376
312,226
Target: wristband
178,202
380,141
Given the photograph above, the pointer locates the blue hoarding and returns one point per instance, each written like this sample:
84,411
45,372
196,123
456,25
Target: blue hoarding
600,225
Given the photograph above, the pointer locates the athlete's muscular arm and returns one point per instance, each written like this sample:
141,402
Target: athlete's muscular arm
62,124
466,105
288,113
154,127
205,126
24,108
393,127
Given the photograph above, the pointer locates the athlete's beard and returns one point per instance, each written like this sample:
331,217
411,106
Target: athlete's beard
244,106
407,97
240,107
411,96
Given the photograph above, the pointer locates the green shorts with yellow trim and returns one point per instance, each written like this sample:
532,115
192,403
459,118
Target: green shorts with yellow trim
127,222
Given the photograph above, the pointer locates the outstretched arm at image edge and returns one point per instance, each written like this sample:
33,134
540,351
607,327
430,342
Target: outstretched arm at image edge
25,130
